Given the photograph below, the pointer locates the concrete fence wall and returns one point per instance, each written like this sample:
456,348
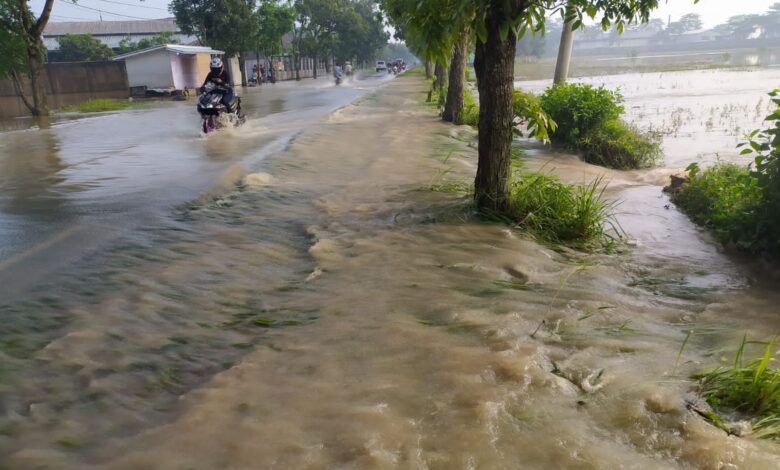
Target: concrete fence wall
69,83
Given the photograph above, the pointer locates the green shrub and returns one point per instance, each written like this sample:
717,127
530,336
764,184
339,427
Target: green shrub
615,144
765,144
741,205
527,110
588,120
575,215
579,108
725,198
470,114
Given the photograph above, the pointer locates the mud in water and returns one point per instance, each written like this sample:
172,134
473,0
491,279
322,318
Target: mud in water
331,311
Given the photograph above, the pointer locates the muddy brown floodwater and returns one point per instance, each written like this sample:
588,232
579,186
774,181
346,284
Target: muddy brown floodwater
333,312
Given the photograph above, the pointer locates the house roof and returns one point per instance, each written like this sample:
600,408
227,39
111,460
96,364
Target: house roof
177,48
111,28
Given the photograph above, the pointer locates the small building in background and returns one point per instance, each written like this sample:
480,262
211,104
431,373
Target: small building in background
167,68
111,33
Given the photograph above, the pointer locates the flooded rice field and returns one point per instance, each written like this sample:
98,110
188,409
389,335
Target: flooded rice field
701,114
323,308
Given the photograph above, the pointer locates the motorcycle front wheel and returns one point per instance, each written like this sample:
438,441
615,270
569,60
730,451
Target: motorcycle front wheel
208,124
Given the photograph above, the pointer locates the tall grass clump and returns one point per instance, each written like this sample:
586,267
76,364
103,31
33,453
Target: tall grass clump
588,120
740,204
574,215
97,106
746,389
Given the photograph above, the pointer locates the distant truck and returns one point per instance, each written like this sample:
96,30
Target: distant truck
381,65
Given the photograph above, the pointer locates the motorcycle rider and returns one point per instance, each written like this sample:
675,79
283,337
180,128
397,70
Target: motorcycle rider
337,73
220,76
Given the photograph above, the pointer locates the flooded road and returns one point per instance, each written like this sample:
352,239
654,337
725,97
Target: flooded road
68,189
331,311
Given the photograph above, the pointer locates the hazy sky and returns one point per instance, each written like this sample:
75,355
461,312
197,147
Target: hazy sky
712,11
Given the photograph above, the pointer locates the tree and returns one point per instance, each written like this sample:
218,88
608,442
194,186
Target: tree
272,21
315,31
434,26
83,47
360,32
13,52
686,23
228,25
159,39
453,106
22,34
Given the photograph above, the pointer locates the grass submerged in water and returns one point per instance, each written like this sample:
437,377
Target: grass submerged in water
746,390
97,106
574,215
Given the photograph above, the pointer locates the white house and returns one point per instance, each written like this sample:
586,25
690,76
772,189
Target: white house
170,66
111,33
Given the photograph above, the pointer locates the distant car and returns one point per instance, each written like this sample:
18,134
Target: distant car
381,65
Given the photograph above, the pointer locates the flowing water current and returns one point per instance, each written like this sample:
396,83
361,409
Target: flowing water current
292,294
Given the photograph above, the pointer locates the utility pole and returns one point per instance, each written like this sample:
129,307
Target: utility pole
564,51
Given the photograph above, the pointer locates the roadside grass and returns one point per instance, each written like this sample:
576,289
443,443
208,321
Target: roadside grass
740,204
574,215
724,198
747,389
97,106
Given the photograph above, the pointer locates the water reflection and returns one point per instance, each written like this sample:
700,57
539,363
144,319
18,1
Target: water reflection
30,172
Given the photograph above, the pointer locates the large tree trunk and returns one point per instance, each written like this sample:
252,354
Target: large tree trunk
453,108
35,54
428,69
494,64
37,81
564,53
297,66
314,69
441,77
242,66
260,78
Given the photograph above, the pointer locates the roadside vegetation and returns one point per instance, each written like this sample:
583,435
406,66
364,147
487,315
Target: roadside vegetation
578,216
589,122
740,204
747,390
574,215
583,119
97,106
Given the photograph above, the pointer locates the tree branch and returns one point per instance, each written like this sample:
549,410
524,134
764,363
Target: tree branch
37,30
19,90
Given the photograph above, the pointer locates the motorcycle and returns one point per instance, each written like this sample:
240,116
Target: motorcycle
214,114
338,77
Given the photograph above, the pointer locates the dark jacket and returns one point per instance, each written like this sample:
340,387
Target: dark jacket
223,76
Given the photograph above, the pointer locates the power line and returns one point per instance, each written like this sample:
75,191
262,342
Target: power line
134,5
69,2
70,17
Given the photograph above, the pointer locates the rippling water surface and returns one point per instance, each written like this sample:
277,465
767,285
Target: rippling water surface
292,295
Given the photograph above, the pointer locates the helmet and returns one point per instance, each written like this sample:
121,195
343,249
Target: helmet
216,64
